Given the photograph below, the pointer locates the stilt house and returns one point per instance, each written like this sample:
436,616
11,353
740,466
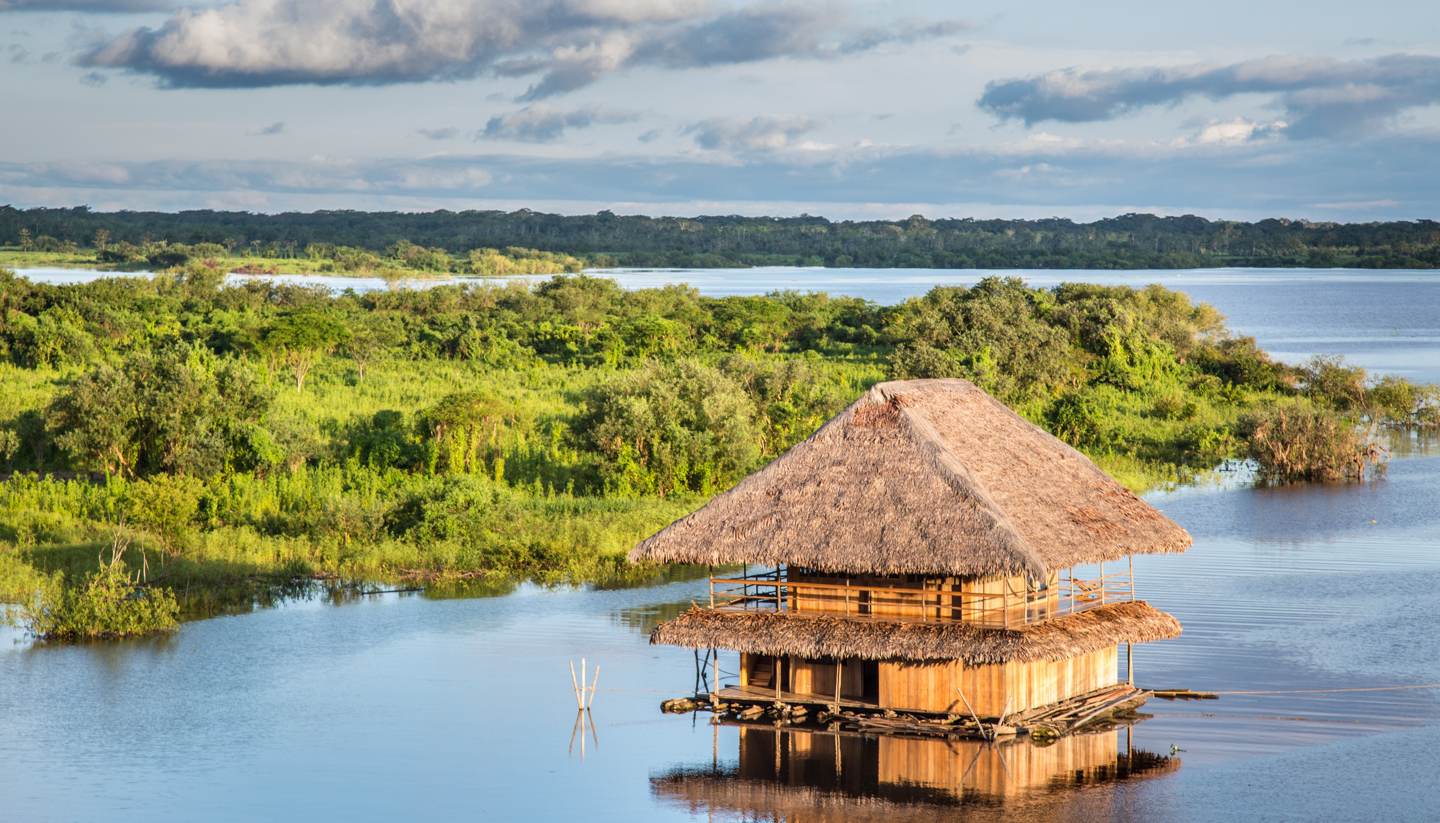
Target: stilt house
919,553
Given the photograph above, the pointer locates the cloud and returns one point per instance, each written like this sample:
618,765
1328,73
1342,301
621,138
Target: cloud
542,124
564,44
98,6
278,127
1320,96
444,133
757,134
905,34
1235,131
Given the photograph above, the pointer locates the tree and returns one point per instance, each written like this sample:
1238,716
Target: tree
301,338
179,409
463,430
370,337
674,428
26,242
102,239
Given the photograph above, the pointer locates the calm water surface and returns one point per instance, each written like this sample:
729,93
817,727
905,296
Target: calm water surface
1386,321
401,706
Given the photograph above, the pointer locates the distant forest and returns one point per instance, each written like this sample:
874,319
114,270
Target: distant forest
607,239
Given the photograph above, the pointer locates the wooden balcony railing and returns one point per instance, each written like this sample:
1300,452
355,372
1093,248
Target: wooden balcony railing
1005,608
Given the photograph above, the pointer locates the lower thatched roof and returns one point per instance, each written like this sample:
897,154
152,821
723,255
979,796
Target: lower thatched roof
816,635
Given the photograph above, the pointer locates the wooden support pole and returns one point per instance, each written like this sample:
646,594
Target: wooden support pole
710,573
1130,663
839,675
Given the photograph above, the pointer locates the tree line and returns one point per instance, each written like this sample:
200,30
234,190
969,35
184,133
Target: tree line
607,239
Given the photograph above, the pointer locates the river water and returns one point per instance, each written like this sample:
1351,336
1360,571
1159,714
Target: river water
413,707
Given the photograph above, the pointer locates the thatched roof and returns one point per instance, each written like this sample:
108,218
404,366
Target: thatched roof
819,635
922,477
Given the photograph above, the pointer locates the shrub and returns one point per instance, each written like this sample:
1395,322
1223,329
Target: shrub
1294,443
106,604
672,428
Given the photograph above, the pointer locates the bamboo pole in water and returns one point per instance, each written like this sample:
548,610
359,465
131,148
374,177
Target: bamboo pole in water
579,704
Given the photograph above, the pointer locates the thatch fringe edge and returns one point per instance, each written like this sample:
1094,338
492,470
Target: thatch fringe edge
819,636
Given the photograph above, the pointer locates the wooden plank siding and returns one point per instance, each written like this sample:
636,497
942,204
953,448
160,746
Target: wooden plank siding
944,598
1006,688
995,689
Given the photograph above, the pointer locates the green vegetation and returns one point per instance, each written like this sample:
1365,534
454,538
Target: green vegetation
105,604
450,241
244,438
399,262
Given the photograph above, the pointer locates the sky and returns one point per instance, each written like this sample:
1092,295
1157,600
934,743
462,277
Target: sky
1242,110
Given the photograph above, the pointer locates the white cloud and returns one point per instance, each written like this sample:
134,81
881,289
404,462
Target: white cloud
565,44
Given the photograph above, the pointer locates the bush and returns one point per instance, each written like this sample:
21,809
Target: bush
165,505
1295,443
107,604
672,428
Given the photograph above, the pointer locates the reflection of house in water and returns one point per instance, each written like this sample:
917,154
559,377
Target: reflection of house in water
813,775
920,553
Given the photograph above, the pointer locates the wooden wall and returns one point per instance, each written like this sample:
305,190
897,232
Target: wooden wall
995,689
934,598
1007,688
807,677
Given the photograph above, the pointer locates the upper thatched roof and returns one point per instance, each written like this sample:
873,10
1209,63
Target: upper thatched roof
922,477
820,635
